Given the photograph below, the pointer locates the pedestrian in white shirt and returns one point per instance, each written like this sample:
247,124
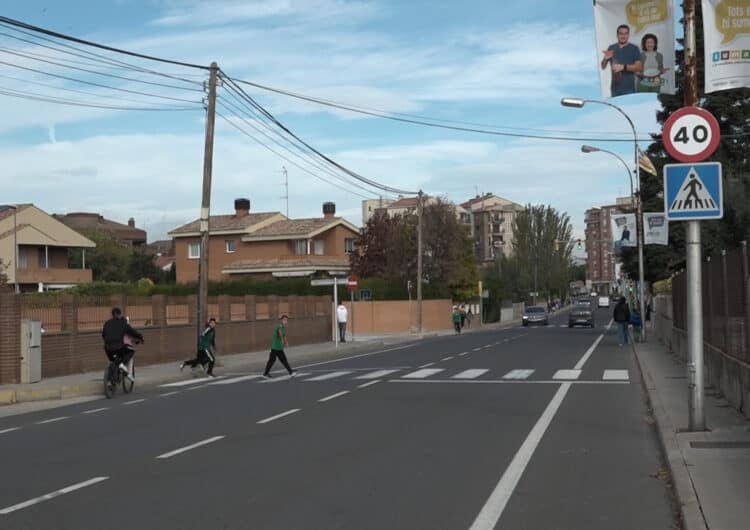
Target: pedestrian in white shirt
341,315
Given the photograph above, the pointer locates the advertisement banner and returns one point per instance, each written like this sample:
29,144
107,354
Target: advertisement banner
635,43
726,34
623,231
655,229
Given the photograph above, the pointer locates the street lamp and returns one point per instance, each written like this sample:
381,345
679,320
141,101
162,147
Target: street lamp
579,103
591,149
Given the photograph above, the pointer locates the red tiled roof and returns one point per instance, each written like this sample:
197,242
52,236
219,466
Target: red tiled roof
404,202
225,222
319,262
86,221
294,227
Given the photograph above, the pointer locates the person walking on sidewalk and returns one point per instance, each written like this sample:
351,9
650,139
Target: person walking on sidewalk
277,348
621,315
206,355
341,315
456,319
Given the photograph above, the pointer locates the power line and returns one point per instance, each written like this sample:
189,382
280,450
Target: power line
62,101
353,174
19,24
230,122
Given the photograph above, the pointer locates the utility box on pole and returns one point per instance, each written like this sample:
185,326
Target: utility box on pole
31,351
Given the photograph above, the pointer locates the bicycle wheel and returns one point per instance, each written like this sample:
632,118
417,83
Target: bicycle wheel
127,383
110,386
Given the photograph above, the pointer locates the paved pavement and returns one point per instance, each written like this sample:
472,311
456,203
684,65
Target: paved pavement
710,470
518,428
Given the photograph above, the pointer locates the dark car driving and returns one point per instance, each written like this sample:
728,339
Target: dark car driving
582,313
535,314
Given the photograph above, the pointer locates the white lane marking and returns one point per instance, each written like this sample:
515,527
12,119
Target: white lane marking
518,374
476,349
181,450
508,381
236,380
48,496
425,372
616,375
365,385
493,508
487,346
562,326
463,353
447,358
272,418
376,375
426,365
567,374
188,382
134,401
360,355
52,420
334,396
94,411
11,429
169,393
471,374
588,353
609,325
285,377
327,376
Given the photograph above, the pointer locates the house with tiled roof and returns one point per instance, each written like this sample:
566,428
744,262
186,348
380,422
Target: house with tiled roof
41,243
88,222
266,245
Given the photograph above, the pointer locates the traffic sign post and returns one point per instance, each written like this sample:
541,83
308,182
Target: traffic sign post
331,281
352,282
693,191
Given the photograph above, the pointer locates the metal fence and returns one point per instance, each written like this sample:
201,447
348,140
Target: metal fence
725,302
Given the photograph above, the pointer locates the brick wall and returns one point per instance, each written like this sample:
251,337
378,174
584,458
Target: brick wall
10,337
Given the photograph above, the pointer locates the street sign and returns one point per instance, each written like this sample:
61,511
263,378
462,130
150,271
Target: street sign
691,134
693,191
321,282
352,282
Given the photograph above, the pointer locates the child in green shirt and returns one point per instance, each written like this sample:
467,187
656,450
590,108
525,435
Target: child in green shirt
278,344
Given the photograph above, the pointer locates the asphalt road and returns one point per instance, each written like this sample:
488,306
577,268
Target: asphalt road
523,428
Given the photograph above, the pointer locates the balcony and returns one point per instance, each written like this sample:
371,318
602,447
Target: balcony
63,276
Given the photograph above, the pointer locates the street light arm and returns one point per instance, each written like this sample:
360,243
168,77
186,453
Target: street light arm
630,173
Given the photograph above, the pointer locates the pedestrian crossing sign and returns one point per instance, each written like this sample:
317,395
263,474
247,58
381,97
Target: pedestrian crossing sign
693,191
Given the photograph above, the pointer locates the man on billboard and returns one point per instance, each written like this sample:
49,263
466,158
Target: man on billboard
624,59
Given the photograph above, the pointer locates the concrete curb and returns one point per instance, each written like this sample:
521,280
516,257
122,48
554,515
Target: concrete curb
692,516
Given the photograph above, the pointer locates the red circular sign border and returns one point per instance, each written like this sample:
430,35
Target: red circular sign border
715,134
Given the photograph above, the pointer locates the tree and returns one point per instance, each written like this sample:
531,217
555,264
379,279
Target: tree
732,110
3,274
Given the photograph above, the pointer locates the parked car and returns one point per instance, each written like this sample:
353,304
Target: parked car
604,301
535,314
582,313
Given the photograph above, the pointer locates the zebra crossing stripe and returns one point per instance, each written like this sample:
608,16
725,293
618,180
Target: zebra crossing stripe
331,375
188,382
235,380
376,375
567,375
471,374
616,375
518,374
424,372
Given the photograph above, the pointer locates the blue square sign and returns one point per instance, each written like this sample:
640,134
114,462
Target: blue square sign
693,191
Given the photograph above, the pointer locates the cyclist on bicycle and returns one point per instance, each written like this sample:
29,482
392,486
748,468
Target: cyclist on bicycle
113,333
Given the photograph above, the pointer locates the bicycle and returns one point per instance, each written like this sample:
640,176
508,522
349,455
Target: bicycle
113,377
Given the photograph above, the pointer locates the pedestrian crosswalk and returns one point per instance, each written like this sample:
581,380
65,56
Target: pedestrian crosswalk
438,374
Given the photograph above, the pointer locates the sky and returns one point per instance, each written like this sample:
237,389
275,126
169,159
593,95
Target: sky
504,64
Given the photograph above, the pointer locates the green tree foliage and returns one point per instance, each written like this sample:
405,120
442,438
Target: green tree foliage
732,110
3,273
387,249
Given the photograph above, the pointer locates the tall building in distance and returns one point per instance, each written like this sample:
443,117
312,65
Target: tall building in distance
601,263
490,219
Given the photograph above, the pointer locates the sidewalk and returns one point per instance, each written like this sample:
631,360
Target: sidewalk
90,383
710,470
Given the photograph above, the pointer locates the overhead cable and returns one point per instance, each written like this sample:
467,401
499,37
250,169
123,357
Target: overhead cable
62,101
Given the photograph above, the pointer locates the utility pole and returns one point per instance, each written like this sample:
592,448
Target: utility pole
208,155
696,410
286,186
420,208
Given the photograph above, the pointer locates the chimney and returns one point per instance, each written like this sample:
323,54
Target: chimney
131,222
329,210
241,207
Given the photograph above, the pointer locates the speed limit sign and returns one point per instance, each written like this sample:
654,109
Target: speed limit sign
691,134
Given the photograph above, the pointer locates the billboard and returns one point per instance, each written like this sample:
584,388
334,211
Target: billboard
623,231
655,229
726,38
635,43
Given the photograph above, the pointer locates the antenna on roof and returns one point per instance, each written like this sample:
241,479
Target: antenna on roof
286,186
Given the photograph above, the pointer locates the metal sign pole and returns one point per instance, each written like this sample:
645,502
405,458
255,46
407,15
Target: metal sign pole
335,311
351,291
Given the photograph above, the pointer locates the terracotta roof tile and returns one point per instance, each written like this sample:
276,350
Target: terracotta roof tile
405,202
225,222
293,227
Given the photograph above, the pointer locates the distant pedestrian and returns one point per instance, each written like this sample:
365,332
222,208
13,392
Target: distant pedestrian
277,348
206,355
341,315
469,316
621,315
456,319
462,312
648,311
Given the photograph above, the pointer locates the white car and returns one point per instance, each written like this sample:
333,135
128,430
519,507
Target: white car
604,301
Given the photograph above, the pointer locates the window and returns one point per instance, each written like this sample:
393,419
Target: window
348,245
300,247
194,250
319,247
231,246
22,259
42,255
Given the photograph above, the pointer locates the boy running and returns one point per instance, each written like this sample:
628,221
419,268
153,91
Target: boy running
277,348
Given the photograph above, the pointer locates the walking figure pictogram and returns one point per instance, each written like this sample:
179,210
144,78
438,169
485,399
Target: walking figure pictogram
694,185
